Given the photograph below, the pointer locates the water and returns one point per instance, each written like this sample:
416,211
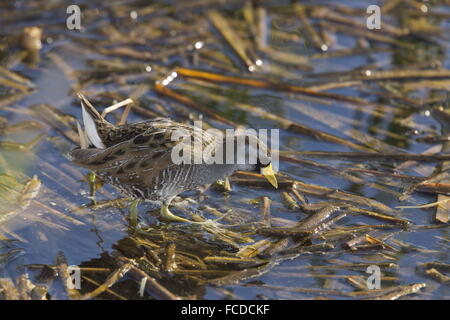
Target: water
95,235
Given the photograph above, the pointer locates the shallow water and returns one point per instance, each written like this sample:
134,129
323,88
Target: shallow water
90,237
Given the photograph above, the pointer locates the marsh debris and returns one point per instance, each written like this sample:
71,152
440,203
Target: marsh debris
363,125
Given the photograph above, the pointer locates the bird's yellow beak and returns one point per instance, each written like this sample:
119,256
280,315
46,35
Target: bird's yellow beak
267,172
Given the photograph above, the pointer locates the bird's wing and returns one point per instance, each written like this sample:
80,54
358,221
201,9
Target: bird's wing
146,155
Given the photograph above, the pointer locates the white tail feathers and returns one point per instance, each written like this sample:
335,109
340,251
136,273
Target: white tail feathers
90,134
84,140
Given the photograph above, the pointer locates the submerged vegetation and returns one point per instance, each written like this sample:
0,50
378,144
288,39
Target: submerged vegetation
364,140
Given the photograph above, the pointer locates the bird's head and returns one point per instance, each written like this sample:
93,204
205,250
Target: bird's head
253,155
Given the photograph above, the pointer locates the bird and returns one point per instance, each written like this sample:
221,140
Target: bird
138,158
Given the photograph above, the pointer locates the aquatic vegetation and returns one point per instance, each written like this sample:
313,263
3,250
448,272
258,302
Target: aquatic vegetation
363,180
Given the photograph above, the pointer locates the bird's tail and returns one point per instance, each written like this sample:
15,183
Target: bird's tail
91,118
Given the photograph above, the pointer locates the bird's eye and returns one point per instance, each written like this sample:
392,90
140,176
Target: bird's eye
263,164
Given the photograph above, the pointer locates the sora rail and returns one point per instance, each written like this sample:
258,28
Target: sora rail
137,158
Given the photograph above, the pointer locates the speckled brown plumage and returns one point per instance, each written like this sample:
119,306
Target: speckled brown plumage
137,158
